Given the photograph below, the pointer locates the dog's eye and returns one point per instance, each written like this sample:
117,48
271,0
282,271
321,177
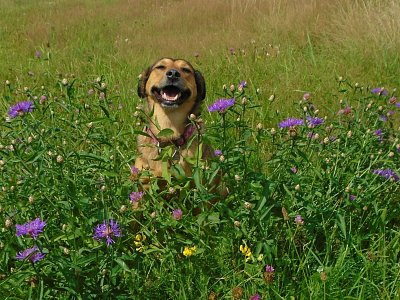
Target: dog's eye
187,70
160,67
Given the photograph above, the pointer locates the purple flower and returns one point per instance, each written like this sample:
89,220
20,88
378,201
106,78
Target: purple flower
33,228
383,118
255,297
33,254
38,54
387,173
299,220
293,169
291,122
306,96
242,84
352,197
346,111
398,104
217,152
314,121
135,196
221,105
379,134
134,171
107,231
269,269
90,92
20,108
177,214
232,51
380,91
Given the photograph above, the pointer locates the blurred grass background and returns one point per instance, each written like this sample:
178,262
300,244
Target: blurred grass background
282,47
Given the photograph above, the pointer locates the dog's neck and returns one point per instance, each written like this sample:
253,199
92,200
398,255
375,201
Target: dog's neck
176,120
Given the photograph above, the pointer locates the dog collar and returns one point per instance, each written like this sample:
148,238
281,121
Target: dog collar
179,142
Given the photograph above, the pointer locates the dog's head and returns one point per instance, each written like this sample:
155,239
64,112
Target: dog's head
172,83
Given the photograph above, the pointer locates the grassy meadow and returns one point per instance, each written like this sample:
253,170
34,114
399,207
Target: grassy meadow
309,151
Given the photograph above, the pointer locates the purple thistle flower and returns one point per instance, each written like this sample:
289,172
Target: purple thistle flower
20,108
38,54
134,171
255,297
90,92
346,111
269,269
221,105
314,121
383,118
232,51
242,84
306,96
352,197
135,196
177,214
299,220
398,104
291,122
379,134
107,231
217,152
33,228
33,254
387,173
380,91
293,169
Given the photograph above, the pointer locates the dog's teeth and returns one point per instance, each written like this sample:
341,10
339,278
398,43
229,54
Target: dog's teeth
166,97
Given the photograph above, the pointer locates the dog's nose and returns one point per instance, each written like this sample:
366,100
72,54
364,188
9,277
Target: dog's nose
173,74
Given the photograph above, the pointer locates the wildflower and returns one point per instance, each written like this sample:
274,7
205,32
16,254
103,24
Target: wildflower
33,228
387,173
189,251
346,111
383,118
380,91
352,197
293,169
177,214
107,231
299,220
269,273
33,254
246,251
291,122
242,84
217,152
232,51
60,159
221,105
306,96
378,133
102,96
139,242
314,121
38,54
135,196
64,81
91,92
20,108
398,104
255,297
237,223
135,172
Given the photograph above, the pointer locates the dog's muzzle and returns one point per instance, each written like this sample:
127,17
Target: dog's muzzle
172,92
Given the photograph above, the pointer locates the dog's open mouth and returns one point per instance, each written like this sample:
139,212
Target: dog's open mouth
170,95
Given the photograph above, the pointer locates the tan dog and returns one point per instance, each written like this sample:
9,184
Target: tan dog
174,90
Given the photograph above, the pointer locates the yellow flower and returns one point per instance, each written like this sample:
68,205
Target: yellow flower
246,251
189,251
139,240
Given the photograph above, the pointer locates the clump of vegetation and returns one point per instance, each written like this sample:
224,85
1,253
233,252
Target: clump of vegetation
316,216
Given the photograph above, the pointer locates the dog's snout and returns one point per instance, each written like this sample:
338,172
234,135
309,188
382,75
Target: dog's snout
173,74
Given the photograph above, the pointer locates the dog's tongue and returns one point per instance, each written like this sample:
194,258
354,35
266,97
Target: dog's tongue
170,93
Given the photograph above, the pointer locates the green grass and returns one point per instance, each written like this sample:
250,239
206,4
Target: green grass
69,161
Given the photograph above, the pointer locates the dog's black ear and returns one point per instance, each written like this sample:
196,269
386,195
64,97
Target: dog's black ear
141,88
201,86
